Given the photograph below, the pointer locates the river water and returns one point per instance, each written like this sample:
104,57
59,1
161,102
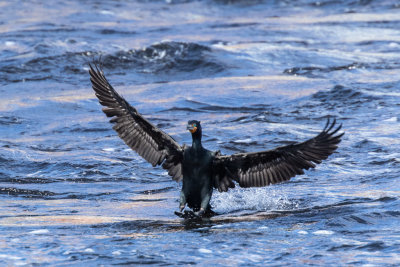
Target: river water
256,73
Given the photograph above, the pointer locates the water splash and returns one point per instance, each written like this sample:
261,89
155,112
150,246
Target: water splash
260,199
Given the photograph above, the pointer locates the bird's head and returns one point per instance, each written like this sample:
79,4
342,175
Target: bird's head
194,127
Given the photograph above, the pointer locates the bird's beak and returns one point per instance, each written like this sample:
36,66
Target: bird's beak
191,128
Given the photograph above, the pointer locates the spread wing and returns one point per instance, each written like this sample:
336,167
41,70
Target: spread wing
147,140
277,165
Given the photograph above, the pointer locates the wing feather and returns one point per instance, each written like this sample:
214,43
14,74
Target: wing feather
147,140
273,166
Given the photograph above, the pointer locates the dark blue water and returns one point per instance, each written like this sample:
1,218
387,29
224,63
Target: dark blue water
256,73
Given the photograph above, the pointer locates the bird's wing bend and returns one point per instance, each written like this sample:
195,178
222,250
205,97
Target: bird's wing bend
147,140
277,165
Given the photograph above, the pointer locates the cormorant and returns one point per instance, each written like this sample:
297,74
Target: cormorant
200,169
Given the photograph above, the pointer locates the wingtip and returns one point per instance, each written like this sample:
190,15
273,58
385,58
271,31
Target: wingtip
337,129
330,127
96,67
327,124
93,73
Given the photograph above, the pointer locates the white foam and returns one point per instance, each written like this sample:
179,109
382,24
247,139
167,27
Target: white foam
323,232
218,226
376,93
265,198
9,43
255,258
245,141
161,54
109,149
34,174
9,257
107,12
204,250
116,253
391,119
347,241
88,250
39,232
302,232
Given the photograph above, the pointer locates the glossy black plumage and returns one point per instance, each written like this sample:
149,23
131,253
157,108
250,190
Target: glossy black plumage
200,168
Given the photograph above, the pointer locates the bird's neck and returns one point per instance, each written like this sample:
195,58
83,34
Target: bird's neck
196,142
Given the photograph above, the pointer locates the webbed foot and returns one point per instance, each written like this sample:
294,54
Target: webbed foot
179,214
200,213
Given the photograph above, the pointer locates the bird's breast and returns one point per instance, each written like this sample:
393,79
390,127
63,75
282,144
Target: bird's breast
197,166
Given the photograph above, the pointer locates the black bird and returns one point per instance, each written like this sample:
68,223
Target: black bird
200,169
